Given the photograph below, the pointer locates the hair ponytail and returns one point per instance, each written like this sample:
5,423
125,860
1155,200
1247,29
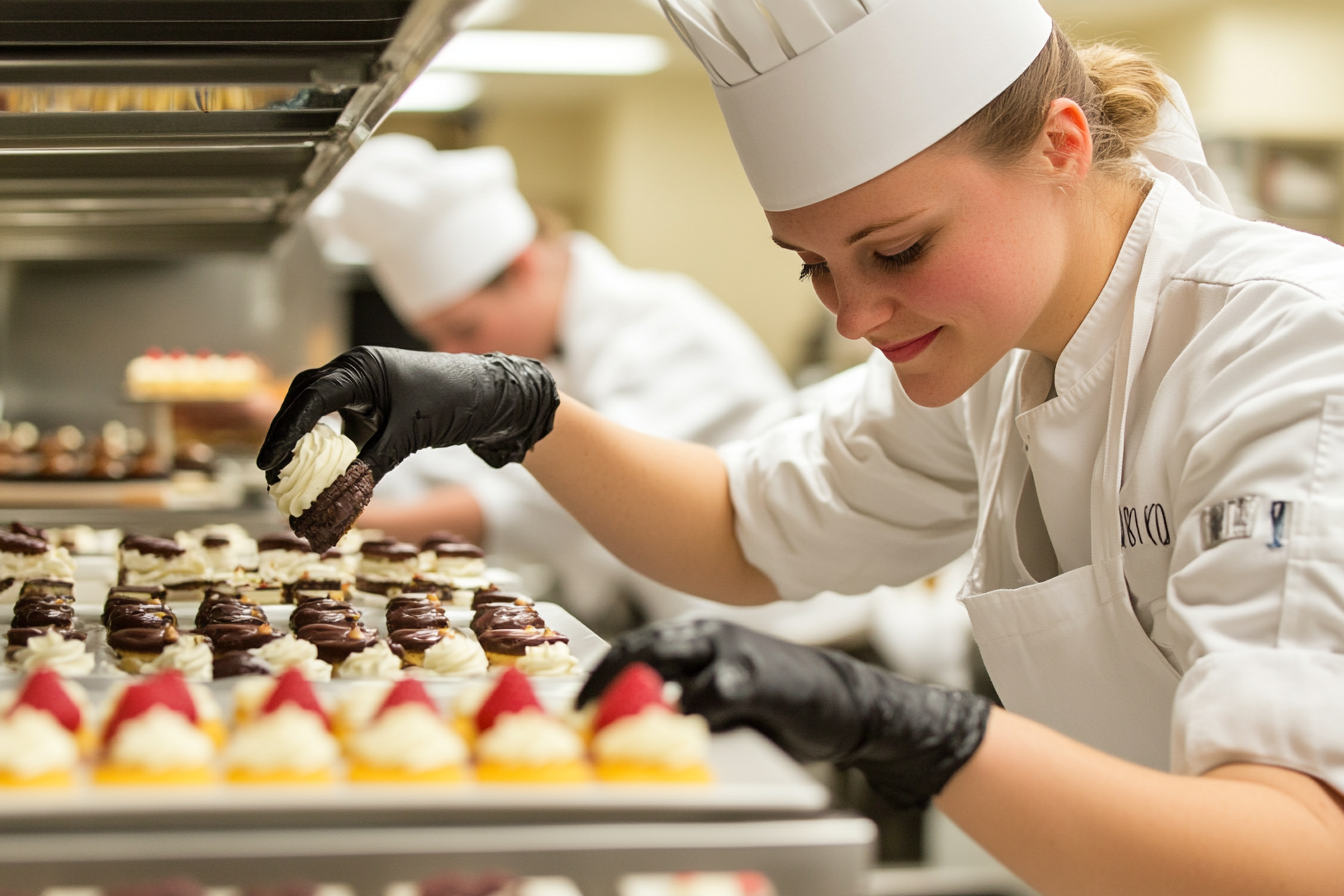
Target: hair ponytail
1119,90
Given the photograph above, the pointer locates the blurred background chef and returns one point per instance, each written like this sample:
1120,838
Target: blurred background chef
467,265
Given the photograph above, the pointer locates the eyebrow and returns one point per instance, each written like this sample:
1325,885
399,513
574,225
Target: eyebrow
855,237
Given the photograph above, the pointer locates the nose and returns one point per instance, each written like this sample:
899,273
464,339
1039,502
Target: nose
860,308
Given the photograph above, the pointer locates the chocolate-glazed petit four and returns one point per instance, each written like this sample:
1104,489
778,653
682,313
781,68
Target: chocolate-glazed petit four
415,641
18,543
239,662
314,613
230,614
505,616
143,593
150,544
18,637
129,616
501,644
228,637
136,646
416,617
336,642
335,509
42,613
434,539
114,602
412,601
495,596
62,587
18,528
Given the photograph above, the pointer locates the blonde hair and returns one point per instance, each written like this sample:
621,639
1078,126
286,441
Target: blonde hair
1119,90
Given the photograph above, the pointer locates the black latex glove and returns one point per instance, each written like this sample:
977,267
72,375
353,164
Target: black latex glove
907,738
397,402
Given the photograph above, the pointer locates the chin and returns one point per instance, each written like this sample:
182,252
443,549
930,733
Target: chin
933,390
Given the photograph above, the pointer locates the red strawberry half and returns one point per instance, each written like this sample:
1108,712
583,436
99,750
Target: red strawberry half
43,690
636,688
408,690
513,693
167,689
292,688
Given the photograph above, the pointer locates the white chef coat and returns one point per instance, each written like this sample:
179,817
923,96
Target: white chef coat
653,351
1232,503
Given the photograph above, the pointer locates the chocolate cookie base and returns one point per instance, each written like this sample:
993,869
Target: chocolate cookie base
335,510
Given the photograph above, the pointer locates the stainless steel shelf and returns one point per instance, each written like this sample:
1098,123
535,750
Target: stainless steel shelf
119,183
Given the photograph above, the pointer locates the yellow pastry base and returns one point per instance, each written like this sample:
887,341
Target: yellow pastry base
56,778
552,773
216,731
372,774
86,738
129,775
502,659
132,662
415,659
465,728
647,773
284,776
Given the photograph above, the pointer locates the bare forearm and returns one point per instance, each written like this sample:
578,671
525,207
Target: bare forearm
662,507
1069,819
448,507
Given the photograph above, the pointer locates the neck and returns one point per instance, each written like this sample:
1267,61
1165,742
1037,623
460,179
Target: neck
1100,220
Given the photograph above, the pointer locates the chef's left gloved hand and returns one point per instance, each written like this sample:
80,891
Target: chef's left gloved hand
907,738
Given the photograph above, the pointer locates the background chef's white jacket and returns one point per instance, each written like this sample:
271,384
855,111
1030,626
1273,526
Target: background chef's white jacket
653,351
1238,423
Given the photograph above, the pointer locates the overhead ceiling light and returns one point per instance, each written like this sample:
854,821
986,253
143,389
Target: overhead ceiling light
552,53
439,91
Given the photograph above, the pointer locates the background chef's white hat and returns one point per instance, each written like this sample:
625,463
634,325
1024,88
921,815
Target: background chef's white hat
823,95
435,226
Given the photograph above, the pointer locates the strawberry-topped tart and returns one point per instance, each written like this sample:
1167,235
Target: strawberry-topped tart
40,734
407,742
517,742
152,736
638,738
289,741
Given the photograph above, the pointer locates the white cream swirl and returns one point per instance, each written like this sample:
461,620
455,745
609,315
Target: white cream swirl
191,656
548,659
151,569
452,567
320,457
375,661
289,652
53,563
456,654
32,743
160,739
322,571
52,651
289,739
409,737
384,569
529,738
284,566
655,736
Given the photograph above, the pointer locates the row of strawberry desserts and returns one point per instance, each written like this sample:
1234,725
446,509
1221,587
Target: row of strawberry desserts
164,731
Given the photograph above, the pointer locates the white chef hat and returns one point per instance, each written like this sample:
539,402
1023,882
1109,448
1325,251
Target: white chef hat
435,226
823,95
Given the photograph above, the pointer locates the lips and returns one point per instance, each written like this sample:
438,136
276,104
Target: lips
900,352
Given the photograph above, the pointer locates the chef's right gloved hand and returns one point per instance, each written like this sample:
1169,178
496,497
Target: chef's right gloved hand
907,738
397,402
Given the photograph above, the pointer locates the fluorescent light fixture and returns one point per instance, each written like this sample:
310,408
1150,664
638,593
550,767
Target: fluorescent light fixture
439,92
552,53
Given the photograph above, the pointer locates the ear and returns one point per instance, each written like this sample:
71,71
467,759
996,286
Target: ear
1066,142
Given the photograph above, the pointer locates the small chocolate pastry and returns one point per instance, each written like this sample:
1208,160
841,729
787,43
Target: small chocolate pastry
63,587
434,539
515,641
412,601
387,549
215,599
229,614
416,617
142,640
469,551
496,597
40,597
113,602
505,616
284,541
19,528
239,662
130,616
308,614
336,642
191,590
417,640
40,614
226,589
228,637
148,544
292,589
18,543
142,593
387,589
18,637
418,585
334,511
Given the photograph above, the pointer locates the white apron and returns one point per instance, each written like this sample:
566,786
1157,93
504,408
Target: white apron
1069,652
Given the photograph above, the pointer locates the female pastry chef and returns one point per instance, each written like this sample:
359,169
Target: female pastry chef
1130,402
467,265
